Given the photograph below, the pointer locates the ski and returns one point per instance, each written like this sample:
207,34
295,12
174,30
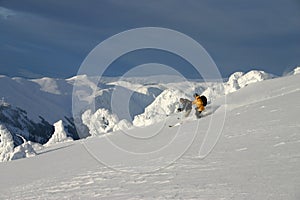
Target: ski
177,124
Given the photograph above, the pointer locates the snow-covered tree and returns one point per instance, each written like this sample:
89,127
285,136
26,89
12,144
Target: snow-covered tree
24,150
7,150
6,144
102,121
59,134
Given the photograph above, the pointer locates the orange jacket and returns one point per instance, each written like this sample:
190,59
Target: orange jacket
198,102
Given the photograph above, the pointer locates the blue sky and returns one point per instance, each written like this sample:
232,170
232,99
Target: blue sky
51,38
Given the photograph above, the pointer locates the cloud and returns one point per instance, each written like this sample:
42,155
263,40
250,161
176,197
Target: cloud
61,33
6,13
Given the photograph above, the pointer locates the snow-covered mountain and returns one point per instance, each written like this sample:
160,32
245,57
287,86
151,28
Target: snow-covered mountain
30,107
256,157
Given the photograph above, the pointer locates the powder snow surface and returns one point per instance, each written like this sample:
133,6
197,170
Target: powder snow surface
257,155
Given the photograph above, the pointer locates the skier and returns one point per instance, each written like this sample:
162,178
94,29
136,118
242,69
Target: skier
199,105
186,105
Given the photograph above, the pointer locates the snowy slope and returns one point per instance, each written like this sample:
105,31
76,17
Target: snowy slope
49,102
31,107
257,157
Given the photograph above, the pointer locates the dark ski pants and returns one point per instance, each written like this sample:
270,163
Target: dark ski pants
187,112
197,113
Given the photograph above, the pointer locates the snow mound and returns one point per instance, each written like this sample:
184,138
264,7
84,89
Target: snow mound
103,121
165,104
296,71
59,134
239,80
235,82
232,84
213,91
253,77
